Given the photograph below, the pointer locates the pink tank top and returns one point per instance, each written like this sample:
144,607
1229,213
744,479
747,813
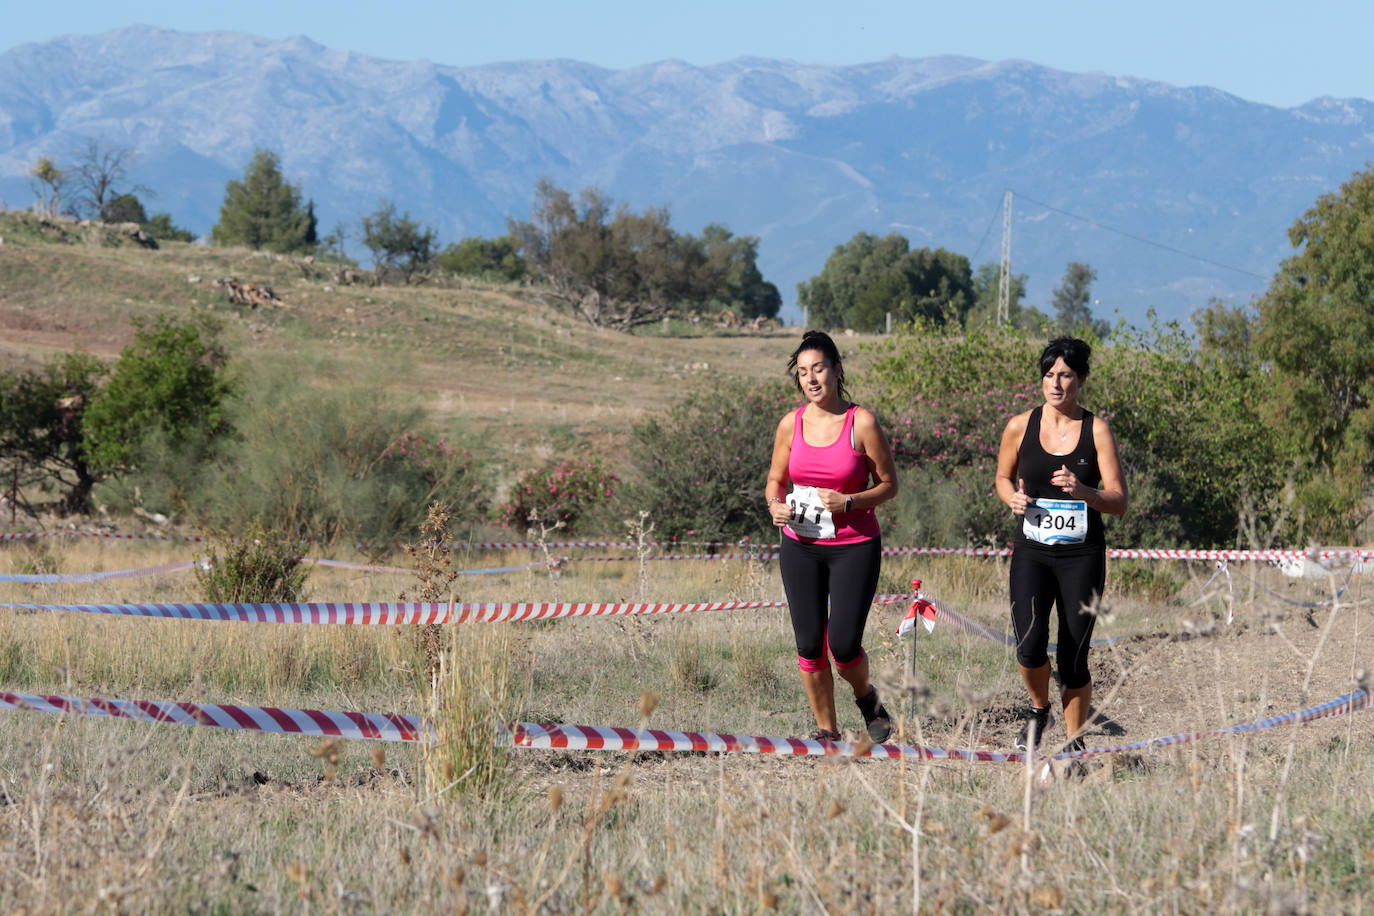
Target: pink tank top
837,466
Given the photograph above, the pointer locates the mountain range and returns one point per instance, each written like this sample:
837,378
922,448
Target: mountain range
1173,194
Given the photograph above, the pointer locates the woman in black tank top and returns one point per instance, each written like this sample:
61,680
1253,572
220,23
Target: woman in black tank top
1058,470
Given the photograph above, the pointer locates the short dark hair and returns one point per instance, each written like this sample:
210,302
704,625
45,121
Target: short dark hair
1073,351
818,340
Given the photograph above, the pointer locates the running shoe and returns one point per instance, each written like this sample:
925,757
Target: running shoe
876,719
1033,731
825,734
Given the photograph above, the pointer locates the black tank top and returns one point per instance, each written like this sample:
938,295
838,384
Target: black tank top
1034,465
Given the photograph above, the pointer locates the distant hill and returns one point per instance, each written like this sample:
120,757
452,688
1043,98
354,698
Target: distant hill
801,155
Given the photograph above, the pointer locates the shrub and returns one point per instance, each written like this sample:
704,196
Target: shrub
263,567
700,469
568,492
945,449
331,465
171,382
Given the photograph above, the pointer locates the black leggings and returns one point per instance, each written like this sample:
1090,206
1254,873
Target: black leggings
1040,580
843,575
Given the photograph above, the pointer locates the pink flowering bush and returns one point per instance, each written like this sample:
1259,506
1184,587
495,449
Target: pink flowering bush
569,491
945,448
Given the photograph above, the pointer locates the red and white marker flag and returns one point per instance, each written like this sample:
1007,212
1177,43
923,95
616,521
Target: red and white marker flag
921,609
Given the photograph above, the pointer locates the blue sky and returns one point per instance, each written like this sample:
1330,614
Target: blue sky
1280,53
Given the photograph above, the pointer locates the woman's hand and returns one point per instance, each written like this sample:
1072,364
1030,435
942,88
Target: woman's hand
832,500
1019,500
1067,481
780,512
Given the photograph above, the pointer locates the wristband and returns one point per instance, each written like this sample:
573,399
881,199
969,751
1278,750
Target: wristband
848,501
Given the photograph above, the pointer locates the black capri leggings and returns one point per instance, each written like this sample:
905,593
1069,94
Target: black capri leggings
1040,580
846,575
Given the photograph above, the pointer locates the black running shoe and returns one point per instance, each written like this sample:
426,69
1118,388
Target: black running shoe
876,719
1074,746
1033,731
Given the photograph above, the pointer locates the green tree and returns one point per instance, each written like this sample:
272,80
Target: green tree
732,269
169,385
48,181
868,277
264,211
125,208
482,257
619,269
41,430
1316,322
1071,300
399,244
161,227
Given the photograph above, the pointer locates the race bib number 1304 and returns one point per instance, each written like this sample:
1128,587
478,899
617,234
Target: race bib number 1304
1056,521
810,517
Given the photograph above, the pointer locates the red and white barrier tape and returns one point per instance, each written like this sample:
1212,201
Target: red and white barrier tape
532,735
769,551
596,738
402,613
360,725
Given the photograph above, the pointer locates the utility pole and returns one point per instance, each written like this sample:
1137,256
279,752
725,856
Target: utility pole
1004,281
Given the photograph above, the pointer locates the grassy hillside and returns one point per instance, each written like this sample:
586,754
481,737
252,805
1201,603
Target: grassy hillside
502,372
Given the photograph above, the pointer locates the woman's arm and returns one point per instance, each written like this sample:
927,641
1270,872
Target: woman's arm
882,470
1112,498
1009,488
776,489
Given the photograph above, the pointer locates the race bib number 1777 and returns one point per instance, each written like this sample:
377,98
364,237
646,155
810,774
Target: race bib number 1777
810,517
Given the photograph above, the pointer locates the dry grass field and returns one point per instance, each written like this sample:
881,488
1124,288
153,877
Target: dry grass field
99,815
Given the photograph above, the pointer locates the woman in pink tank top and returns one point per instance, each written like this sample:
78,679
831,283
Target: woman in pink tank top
831,466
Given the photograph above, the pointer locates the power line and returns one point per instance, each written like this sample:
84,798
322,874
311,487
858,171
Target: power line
1136,238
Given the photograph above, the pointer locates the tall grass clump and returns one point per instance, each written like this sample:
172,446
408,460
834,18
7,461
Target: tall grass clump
699,468
332,465
472,698
261,567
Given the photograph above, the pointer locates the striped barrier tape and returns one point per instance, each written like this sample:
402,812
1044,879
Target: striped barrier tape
400,613
97,576
370,726
599,738
148,571
769,551
535,736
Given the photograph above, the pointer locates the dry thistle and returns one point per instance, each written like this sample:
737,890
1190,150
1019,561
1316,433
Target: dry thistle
405,856
327,750
997,823
455,878
479,859
613,885
555,798
768,900
648,702
836,809
1047,898
378,756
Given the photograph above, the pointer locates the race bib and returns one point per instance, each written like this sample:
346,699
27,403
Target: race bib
810,517
1056,521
